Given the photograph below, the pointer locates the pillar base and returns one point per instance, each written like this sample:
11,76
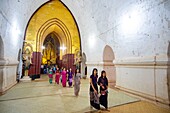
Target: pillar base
25,79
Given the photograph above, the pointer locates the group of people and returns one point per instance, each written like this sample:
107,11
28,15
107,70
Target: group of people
45,68
98,98
64,76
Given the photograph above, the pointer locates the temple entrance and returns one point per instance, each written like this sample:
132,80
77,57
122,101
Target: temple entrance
54,38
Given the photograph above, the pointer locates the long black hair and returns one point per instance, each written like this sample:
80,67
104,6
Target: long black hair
102,73
76,72
95,69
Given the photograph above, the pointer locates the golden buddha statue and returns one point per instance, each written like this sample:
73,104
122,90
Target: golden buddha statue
49,53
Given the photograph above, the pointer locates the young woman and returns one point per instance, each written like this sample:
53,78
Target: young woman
70,77
103,83
57,77
64,77
50,75
77,82
94,100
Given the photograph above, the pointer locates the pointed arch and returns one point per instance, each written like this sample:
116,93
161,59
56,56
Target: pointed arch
60,25
108,54
108,57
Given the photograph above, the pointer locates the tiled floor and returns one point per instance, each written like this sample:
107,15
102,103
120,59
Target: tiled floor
41,97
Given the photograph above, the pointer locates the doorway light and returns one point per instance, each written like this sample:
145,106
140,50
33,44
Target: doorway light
63,48
43,47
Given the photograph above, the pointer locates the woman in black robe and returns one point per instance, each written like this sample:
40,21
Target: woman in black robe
94,99
103,83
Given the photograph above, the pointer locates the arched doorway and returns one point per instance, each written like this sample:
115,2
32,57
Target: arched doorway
51,50
84,66
53,36
108,57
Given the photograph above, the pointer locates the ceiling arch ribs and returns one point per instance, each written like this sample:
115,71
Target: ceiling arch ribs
61,25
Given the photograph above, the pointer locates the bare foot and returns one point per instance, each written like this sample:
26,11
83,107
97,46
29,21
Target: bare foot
107,110
99,111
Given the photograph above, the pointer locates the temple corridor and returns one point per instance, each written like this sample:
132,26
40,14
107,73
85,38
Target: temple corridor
128,40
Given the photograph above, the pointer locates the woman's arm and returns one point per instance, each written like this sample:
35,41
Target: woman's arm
92,85
106,83
100,83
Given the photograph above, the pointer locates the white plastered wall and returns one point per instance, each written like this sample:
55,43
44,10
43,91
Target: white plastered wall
138,32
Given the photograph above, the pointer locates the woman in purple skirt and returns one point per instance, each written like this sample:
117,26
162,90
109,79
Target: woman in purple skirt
70,77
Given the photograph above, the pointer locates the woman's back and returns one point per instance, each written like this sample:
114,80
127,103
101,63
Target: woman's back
77,78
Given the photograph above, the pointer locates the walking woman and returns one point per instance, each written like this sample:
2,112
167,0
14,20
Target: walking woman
57,77
50,75
94,99
77,82
103,83
70,77
64,77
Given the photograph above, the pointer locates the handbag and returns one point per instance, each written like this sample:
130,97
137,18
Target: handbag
103,92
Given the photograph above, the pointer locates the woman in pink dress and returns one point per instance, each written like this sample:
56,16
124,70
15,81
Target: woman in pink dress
64,77
57,77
